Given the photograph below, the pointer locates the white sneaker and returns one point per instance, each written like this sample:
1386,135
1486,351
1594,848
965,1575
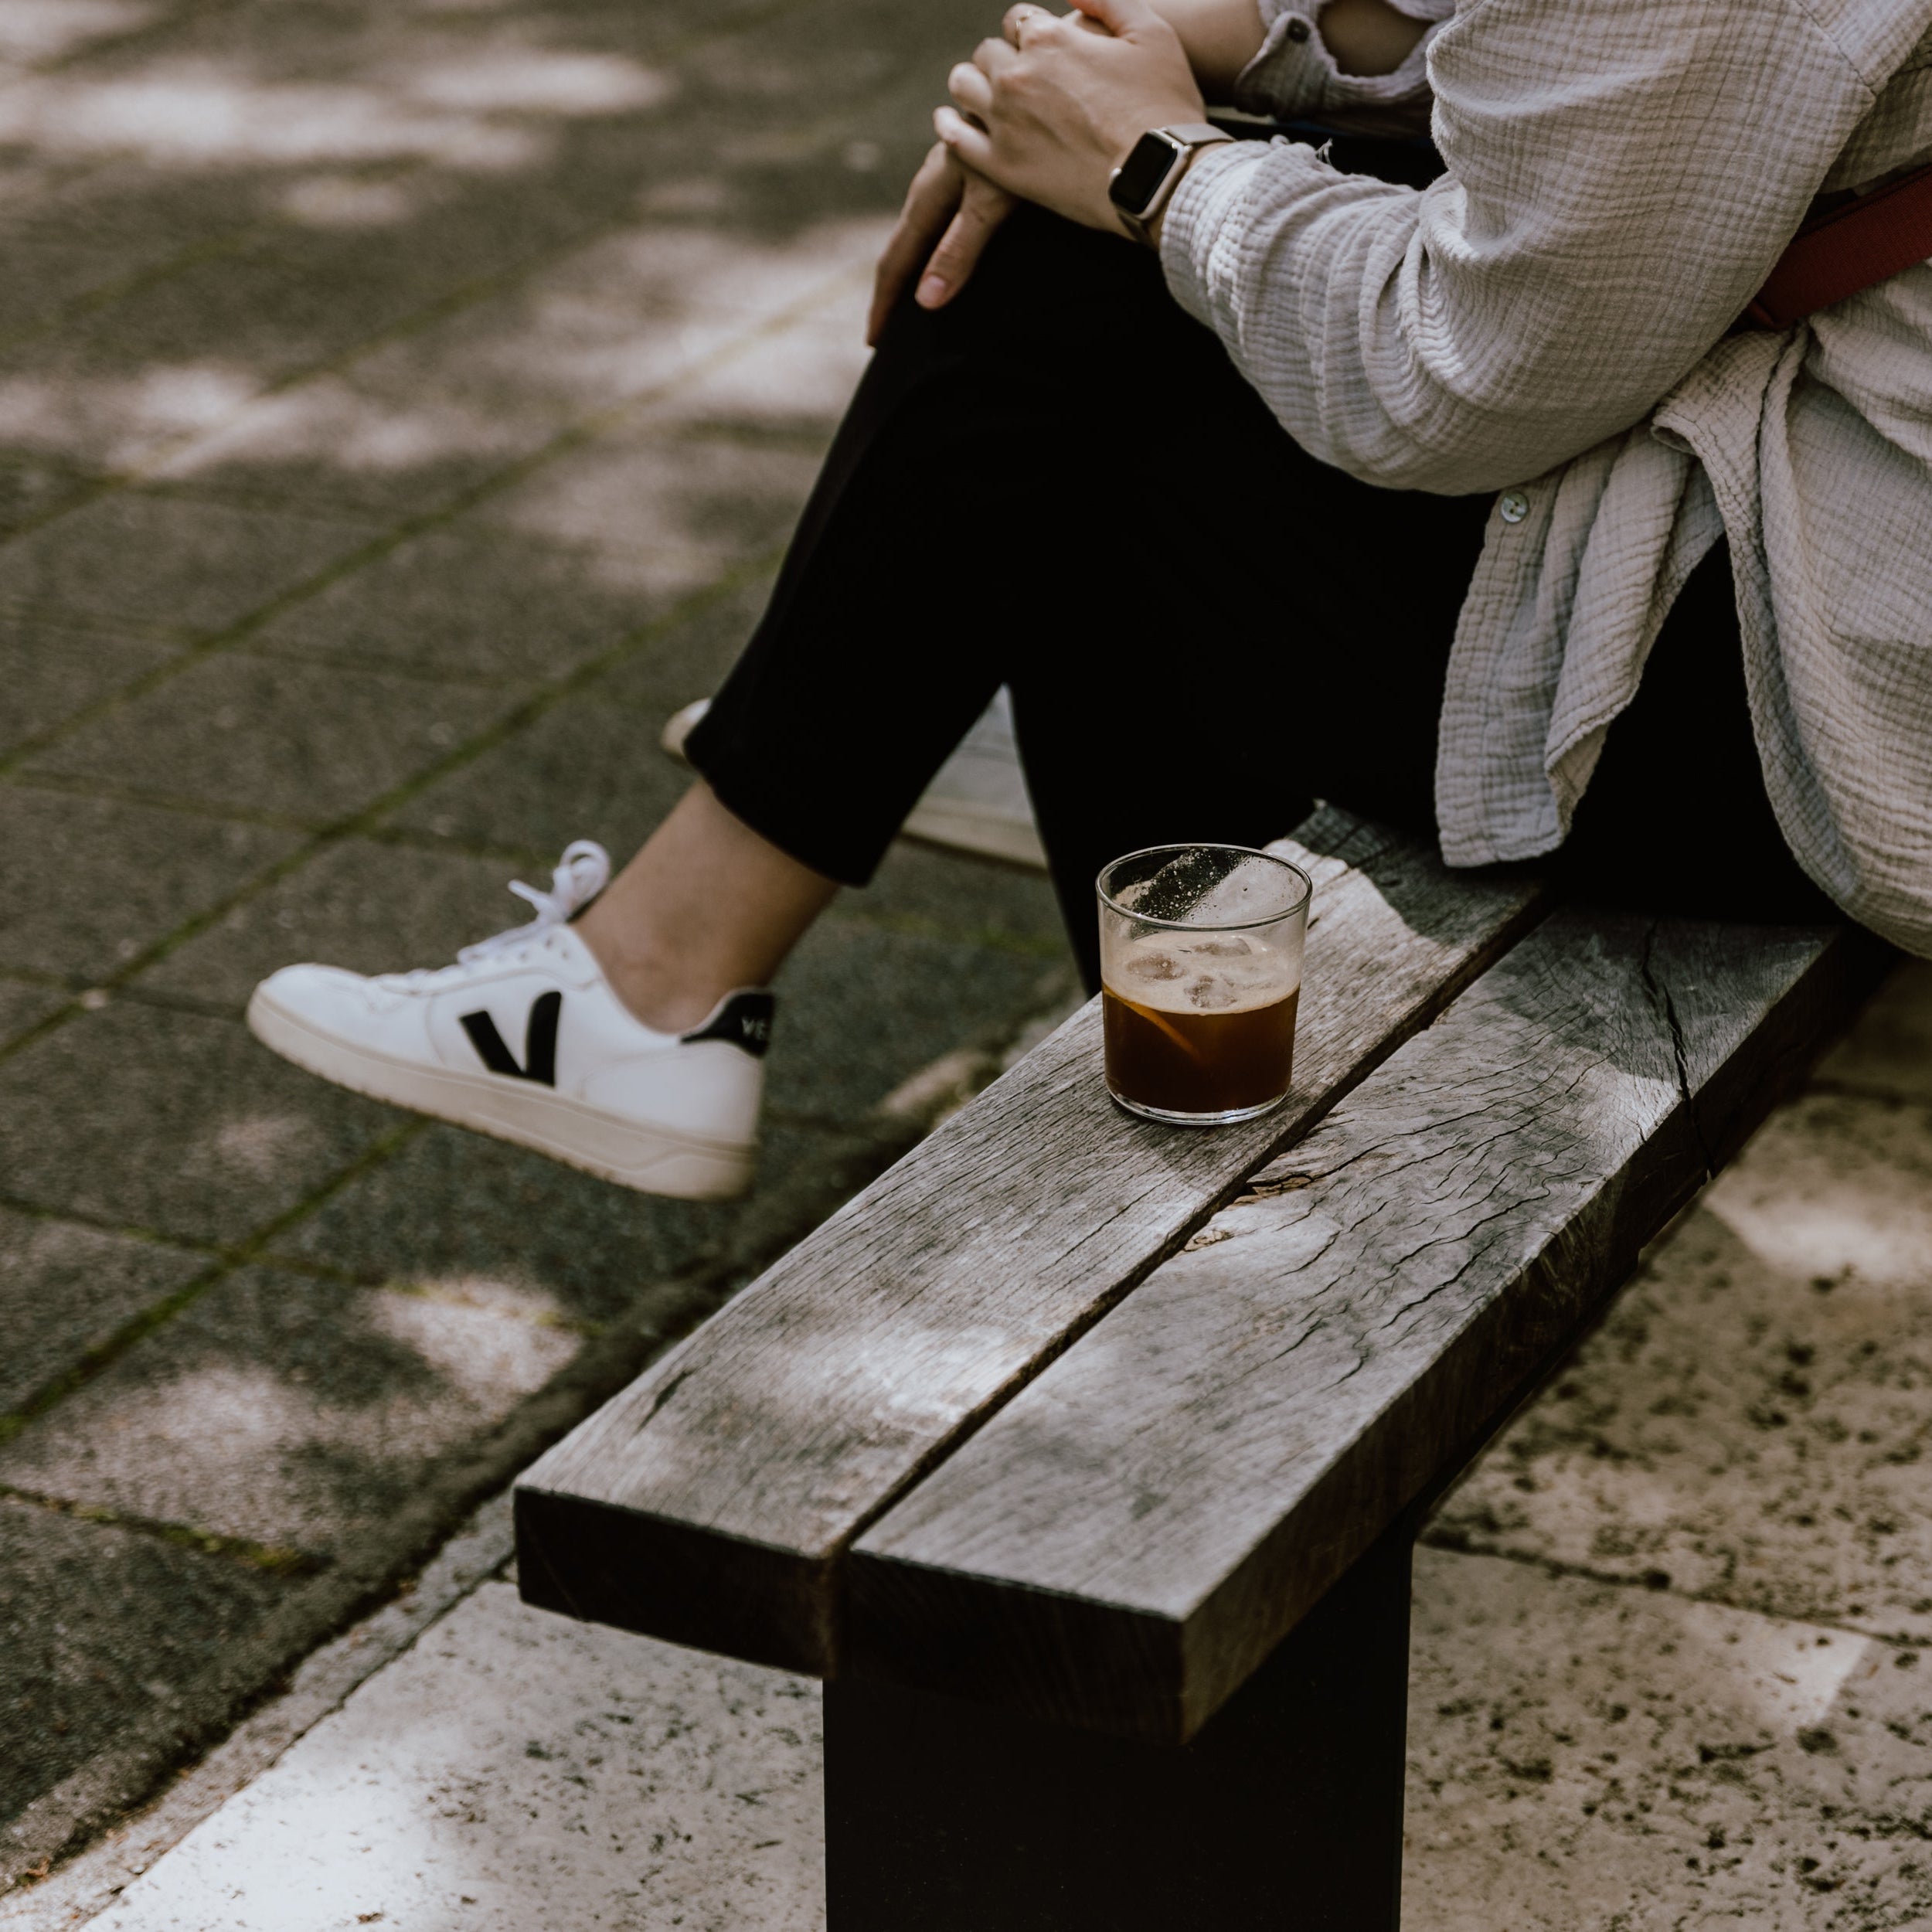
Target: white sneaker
664,1113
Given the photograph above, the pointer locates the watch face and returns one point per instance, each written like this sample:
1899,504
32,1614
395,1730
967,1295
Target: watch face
1142,172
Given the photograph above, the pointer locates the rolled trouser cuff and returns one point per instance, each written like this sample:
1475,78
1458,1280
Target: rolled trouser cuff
785,808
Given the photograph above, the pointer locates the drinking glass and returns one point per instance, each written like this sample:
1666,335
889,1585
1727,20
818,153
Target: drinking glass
1200,977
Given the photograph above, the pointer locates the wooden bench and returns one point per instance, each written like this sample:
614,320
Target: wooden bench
1083,1457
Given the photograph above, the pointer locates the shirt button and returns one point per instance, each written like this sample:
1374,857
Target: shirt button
1298,28
1514,506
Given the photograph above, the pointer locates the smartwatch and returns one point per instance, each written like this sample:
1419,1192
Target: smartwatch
1141,187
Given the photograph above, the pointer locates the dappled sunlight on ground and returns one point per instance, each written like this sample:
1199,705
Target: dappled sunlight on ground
259,1144
47,29
471,108
288,1415
516,1764
1865,1212
115,419
402,406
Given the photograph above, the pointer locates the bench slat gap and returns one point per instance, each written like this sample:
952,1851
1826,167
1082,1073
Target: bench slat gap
726,1484
1127,1541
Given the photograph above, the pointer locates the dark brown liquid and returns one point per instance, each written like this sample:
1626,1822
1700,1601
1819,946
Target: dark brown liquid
1210,1063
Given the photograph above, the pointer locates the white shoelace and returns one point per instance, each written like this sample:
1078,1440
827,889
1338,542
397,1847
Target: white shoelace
583,872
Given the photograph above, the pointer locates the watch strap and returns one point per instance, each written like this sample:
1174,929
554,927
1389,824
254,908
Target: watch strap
1186,138
1195,133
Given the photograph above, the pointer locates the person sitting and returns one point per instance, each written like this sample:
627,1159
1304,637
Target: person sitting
1437,483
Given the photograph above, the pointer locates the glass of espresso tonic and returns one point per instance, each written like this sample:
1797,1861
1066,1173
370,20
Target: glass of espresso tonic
1200,976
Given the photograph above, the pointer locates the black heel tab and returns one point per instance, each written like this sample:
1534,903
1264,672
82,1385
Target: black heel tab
744,1020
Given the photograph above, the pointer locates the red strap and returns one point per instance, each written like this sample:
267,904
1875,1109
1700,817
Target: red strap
1867,241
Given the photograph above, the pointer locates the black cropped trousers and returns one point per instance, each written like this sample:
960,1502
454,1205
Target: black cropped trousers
1060,483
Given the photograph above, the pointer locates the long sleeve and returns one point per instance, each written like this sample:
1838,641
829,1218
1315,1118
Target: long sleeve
1622,174
1293,76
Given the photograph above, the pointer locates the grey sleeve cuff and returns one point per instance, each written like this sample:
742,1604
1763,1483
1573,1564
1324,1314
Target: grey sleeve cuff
1200,214
1294,76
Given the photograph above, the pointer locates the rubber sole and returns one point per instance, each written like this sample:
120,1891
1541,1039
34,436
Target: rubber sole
653,1160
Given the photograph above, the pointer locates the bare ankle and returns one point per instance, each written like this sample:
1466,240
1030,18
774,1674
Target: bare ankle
652,989
707,905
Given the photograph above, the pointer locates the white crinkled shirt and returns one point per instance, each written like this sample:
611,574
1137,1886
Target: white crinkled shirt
1548,320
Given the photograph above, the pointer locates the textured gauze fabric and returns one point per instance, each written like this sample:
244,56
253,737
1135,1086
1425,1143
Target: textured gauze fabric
1548,320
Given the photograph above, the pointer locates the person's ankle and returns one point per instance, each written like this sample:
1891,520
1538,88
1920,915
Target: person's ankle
650,988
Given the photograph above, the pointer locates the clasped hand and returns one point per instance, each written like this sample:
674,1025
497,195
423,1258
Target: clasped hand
1045,114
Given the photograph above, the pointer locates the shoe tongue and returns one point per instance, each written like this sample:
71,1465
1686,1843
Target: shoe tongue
576,958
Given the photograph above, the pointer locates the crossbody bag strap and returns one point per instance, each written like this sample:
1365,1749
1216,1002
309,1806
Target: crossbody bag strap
1867,241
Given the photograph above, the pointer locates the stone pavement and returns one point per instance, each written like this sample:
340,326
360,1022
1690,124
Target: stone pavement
403,404
1670,1667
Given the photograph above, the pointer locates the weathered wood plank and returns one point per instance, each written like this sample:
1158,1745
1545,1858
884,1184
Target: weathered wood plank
713,1501
1128,1539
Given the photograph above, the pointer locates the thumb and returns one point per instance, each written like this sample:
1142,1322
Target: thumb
1122,18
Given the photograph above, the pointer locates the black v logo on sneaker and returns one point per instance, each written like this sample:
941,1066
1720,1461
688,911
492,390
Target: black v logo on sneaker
540,1042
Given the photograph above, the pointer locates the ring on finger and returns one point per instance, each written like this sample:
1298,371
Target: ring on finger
1017,19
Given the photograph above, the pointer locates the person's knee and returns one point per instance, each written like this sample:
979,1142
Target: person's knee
1036,275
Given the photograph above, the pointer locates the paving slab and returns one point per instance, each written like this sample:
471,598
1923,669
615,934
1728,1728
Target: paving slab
24,1004
636,488
278,312
137,873
49,674
37,33
471,244
630,312
537,364
468,601
289,1412
1583,1754
168,563
45,277
987,902
98,1627
675,265
1579,1754
514,1770
112,419
590,766
458,1214
800,380
315,1689
1750,1424
118,200
550,350
862,1009
140,1116
372,906
32,488
878,41
330,445
295,740
65,1289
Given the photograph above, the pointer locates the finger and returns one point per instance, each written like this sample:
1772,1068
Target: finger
981,212
1020,17
993,58
1124,18
972,145
939,182
930,201
971,89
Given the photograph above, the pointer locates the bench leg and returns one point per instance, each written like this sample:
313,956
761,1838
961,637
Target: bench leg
1284,1813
